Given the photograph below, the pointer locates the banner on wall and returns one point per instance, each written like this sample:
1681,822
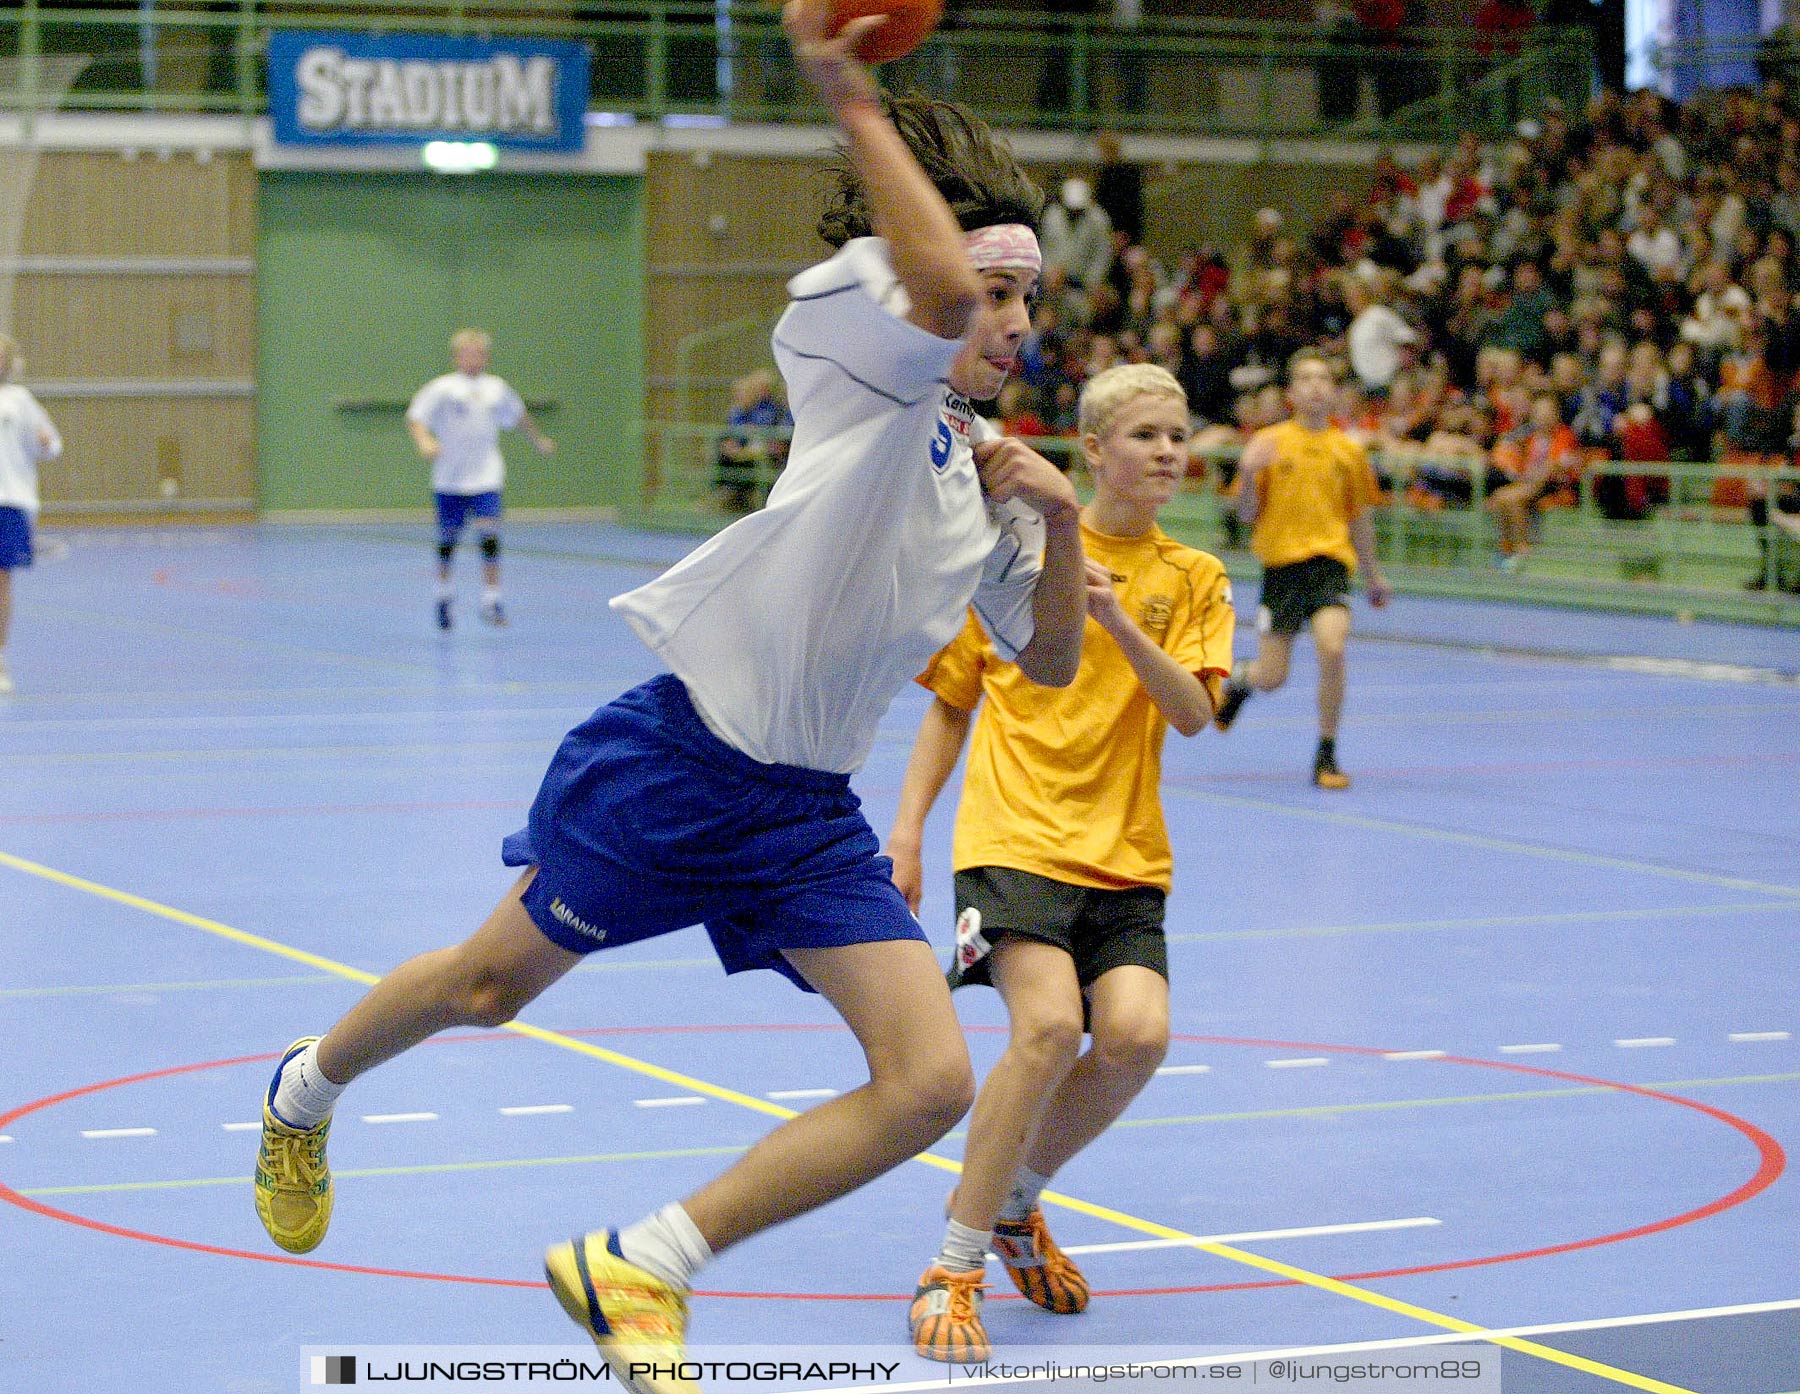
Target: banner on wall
330,88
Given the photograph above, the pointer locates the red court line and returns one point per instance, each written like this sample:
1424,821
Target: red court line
1771,1163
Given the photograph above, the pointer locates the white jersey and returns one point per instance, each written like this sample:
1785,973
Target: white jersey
467,415
24,425
795,627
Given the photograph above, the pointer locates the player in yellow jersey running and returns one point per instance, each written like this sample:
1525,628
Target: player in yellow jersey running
1062,858
1306,494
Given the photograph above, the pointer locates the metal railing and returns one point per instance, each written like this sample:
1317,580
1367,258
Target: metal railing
1690,545
688,58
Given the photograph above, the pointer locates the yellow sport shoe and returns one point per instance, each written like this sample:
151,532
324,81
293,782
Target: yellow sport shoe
946,1316
1040,1270
293,1182
636,1319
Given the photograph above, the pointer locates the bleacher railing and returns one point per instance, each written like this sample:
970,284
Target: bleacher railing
1687,547
655,59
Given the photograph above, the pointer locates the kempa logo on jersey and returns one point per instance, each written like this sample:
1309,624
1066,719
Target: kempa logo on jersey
564,915
956,419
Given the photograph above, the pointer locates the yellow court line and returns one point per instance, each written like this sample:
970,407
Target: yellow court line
1279,1269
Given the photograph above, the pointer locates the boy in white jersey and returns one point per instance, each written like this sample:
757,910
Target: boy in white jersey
719,793
455,421
26,437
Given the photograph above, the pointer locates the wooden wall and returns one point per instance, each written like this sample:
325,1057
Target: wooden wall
724,232
134,297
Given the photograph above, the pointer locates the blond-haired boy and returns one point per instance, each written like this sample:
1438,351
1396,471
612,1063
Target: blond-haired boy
1061,855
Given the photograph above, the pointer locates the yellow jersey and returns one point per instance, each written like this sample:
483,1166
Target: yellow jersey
1065,782
1315,485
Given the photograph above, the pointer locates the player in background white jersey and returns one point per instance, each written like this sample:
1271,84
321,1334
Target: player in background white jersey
26,437
455,421
719,792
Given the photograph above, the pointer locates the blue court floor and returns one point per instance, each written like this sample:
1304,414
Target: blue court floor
1503,1042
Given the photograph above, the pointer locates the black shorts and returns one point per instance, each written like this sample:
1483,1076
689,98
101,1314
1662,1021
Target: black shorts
1292,595
1099,929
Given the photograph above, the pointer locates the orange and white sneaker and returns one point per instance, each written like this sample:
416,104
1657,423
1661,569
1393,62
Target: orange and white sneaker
1040,1270
946,1316
638,1321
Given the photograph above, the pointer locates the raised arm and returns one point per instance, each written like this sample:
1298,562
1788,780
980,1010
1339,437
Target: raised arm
924,242
934,755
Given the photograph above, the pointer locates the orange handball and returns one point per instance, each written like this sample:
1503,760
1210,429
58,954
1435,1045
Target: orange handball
908,24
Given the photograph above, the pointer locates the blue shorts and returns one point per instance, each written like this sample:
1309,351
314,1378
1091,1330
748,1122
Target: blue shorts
15,538
646,822
454,510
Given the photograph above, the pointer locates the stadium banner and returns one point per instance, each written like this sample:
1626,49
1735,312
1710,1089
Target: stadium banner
329,88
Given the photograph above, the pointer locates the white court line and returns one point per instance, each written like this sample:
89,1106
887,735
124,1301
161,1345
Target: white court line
1185,1070
118,1132
1445,1338
399,1118
5,1137
1299,1062
1543,1048
1358,1227
1415,1055
527,1110
679,1101
240,1127
1644,1042
1760,1036
802,1094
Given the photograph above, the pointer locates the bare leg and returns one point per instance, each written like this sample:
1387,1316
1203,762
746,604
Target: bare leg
5,604
1130,1007
1508,505
892,995
1269,669
1043,1001
484,981
1330,629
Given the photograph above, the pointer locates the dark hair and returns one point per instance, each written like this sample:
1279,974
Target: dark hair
973,169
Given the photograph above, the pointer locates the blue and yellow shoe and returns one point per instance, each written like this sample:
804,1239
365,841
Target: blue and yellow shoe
293,1181
638,1321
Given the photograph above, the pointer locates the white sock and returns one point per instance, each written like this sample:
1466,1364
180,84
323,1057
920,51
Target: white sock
445,590
964,1249
1023,1199
304,1098
668,1245
490,595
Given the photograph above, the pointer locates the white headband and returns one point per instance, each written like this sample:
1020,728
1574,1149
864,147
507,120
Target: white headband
1005,247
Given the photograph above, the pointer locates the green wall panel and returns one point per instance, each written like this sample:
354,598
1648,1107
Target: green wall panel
362,278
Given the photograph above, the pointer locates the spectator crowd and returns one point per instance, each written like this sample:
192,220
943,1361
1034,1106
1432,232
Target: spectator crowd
1615,283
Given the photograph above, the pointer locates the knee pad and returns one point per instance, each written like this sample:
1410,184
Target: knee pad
490,546
446,549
